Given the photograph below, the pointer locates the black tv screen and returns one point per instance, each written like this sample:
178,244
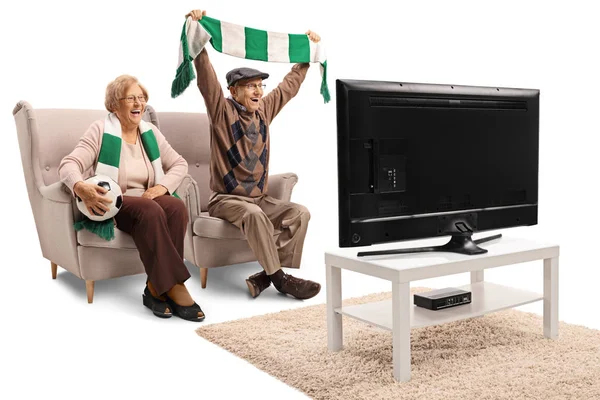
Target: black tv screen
424,160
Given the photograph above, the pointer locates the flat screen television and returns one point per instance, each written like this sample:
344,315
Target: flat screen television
424,160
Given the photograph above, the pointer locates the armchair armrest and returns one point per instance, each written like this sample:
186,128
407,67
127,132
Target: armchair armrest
60,193
190,194
281,185
56,192
54,216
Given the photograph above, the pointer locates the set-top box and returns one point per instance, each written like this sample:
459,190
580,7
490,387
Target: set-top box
442,298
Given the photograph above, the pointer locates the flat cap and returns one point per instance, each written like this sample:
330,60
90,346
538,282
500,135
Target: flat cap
244,73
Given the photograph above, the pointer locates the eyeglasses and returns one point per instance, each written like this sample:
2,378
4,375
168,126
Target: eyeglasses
131,99
252,86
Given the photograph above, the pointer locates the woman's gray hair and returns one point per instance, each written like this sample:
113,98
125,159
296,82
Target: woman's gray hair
116,89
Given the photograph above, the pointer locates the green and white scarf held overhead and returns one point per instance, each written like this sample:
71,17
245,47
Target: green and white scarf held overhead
244,42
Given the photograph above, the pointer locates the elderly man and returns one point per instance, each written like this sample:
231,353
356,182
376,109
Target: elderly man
239,170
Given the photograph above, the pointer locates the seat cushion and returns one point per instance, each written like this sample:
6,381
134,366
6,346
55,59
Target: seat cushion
217,228
122,240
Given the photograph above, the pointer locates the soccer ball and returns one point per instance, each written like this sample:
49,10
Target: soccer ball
113,193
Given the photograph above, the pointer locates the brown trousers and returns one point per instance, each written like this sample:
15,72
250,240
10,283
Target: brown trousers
258,217
158,229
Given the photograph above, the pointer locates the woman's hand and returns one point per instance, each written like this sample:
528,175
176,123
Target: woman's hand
313,36
91,195
154,191
196,14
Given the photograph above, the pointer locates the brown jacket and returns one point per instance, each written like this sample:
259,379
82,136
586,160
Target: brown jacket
240,143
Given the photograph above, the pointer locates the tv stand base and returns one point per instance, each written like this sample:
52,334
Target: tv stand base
459,243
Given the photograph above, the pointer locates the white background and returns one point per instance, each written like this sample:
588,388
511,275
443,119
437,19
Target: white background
61,55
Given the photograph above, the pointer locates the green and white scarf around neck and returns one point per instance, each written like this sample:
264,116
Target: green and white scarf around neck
109,160
110,150
244,42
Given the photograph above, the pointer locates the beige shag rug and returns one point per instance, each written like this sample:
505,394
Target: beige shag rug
499,356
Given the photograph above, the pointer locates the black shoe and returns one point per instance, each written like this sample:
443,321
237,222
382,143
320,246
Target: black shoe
189,313
299,288
257,283
158,307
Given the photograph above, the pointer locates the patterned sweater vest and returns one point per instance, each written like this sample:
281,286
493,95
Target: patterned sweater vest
247,157
239,142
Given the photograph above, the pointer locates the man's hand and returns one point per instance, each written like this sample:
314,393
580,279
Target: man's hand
91,195
196,14
313,36
154,191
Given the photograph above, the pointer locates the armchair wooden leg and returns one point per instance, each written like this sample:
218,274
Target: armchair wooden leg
89,287
54,268
203,277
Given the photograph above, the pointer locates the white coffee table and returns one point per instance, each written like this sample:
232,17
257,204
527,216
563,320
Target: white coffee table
399,314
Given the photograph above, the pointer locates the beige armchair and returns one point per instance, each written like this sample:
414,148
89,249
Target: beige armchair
211,242
47,135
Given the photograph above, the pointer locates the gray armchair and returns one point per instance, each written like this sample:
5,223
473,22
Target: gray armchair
47,135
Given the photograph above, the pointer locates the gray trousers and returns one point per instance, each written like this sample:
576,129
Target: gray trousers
258,218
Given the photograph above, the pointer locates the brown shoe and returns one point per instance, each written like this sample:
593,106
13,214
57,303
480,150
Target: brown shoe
257,283
299,288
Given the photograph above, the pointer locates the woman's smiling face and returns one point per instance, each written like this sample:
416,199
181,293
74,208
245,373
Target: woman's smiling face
131,106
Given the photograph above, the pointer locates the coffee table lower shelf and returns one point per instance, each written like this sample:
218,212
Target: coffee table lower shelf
486,298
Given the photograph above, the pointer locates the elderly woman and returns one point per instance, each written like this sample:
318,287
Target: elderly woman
155,219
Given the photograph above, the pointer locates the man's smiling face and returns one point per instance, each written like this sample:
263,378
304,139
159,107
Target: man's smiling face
248,93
